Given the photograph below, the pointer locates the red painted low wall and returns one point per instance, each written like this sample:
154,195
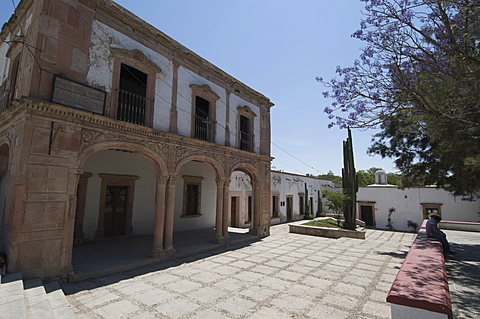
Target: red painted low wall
422,282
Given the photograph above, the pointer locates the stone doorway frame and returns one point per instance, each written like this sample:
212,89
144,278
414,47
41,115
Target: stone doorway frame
116,180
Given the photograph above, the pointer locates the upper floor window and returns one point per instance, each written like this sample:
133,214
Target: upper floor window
132,95
133,80
7,88
203,122
203,112
245,128
246,136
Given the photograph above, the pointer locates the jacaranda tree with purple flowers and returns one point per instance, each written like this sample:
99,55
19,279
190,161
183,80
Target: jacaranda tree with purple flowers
418,81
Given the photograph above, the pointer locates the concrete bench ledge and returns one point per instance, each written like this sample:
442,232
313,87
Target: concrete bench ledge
420,289
465,226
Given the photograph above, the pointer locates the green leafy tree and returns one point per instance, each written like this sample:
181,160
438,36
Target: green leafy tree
336,202
364,178
394,179
331,177
418,81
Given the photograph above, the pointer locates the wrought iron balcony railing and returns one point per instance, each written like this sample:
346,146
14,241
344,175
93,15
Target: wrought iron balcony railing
202,128
131,107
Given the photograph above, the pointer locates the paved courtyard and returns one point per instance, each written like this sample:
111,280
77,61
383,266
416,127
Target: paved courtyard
282,276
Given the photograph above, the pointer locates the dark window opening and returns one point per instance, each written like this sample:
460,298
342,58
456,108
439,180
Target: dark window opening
245,134
249,209
301,199
275,201
7,89
132,95
192,200
202,120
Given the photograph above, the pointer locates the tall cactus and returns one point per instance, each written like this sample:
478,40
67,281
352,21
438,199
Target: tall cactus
349,183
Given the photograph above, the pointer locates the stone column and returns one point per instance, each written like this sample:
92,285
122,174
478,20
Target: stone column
159,226
226,195
169,216
256,208
80,206
219,211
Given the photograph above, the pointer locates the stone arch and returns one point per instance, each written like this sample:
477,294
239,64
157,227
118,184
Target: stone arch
248,169
257,226
217,166
156,159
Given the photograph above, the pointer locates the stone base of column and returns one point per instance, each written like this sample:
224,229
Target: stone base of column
170,252
222,240
158,253
260,231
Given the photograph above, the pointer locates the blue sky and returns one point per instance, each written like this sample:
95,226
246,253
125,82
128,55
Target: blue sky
276,47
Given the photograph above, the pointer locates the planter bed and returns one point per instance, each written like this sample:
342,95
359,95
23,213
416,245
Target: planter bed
299,228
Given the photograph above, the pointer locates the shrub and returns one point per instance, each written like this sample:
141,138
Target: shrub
321,214
309,216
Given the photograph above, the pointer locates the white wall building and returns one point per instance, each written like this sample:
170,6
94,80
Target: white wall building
375,202
288,193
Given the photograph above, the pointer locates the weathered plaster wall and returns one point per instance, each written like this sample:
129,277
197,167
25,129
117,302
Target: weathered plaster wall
282,185
117,162
407,204
101,64
208,197
184,103
236,101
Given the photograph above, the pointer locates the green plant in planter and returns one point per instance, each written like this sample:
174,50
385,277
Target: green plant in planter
321,214
336,202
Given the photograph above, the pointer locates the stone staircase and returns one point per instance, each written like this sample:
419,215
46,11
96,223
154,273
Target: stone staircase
31,299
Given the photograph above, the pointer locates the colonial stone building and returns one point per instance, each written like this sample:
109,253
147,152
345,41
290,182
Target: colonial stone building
292,197
108,127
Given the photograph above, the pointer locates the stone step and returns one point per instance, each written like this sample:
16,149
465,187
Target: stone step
58,301
36,301
12,298
31,299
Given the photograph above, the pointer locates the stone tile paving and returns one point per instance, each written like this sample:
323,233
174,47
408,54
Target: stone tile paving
463,270
282,276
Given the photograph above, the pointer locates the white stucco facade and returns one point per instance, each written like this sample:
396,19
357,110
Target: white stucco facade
410,204
288,195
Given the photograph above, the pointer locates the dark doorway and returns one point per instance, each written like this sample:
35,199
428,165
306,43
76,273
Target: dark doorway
115,210
289,207
367,215
233,212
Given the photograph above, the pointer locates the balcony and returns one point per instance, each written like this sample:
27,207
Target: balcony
131,107
246,141
202,128
5,96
